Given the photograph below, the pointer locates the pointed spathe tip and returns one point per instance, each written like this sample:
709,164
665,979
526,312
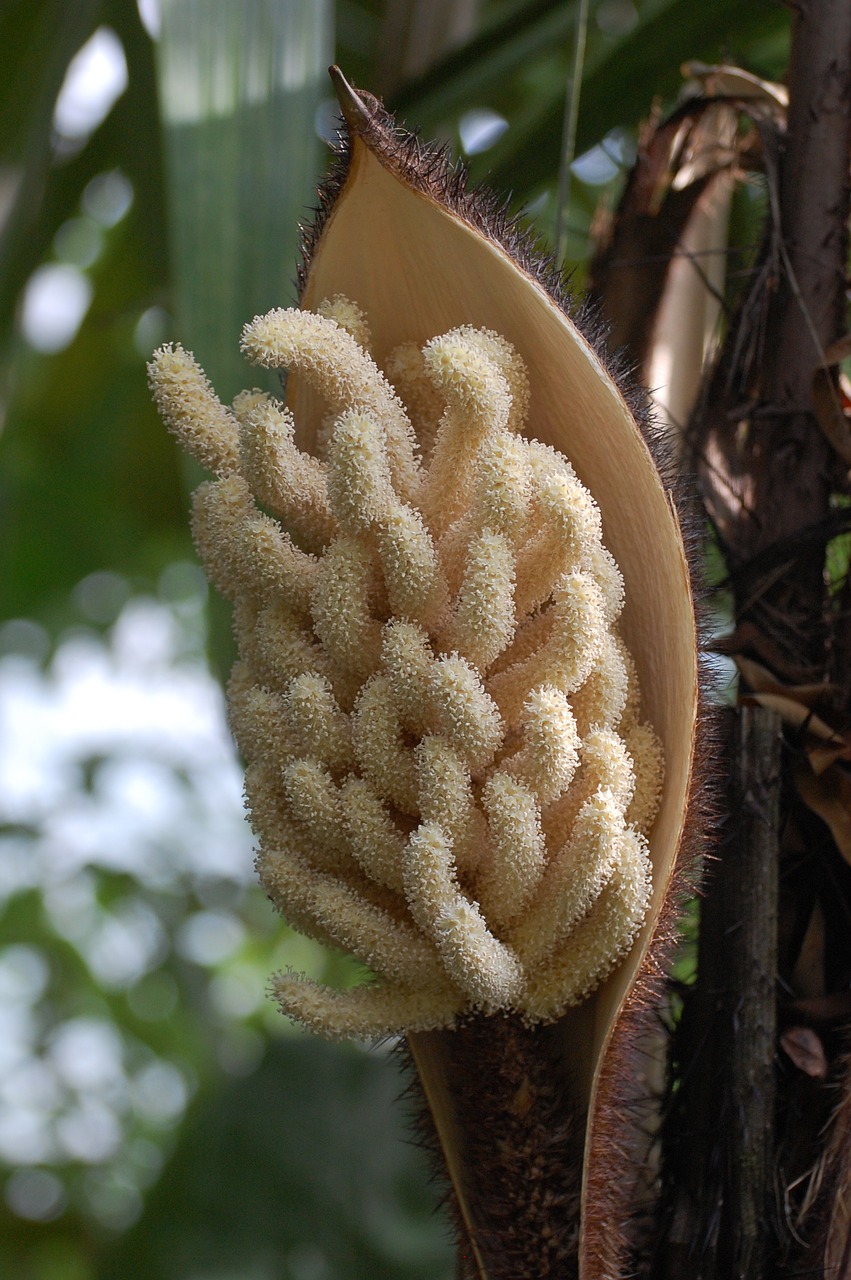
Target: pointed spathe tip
354,111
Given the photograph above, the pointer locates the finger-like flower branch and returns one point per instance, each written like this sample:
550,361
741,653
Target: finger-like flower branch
290,483
448,772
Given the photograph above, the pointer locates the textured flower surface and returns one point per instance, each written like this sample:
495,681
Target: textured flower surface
448,771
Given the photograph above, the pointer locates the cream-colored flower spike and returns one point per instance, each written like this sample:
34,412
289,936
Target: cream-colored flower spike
448,772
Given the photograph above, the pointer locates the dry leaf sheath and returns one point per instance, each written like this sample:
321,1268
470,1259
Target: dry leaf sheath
466,687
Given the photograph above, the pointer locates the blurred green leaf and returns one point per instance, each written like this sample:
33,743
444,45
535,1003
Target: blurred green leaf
89,479
301,1169
40,41
520,67
46,35
239,88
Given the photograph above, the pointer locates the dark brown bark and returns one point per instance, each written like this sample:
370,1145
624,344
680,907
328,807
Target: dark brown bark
748,900
720,1132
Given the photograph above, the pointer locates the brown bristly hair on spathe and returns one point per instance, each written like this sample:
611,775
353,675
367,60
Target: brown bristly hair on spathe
521,1129
527,1202
430,170
608,1226
422,1134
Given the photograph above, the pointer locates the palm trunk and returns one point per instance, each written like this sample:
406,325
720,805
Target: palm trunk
768,471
